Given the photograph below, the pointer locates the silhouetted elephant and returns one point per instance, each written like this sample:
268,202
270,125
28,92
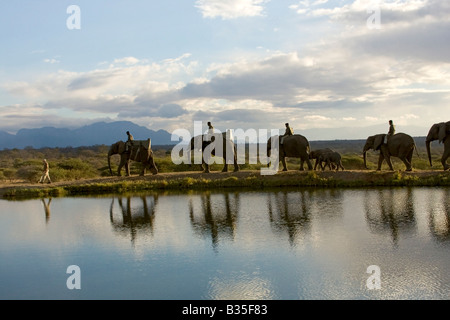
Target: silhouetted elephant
140,151
441,132
295,146
331,159
315,154
399,145
228,150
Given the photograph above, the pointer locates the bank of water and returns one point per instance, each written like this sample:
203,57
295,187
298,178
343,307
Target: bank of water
279,244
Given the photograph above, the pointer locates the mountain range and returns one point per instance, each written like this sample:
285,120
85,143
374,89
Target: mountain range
107,133
94,134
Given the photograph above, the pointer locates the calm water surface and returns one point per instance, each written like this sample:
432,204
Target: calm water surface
286,244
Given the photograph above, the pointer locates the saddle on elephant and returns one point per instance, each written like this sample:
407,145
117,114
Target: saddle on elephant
138,146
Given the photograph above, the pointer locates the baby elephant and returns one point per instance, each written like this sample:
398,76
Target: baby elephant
316,154
332,160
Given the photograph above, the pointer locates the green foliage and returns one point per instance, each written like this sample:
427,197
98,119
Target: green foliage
31,173
67,164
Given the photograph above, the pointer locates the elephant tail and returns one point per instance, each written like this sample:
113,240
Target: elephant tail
417,151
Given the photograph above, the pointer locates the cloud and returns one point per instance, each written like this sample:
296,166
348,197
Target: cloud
129,61
230,9
130,87
349,74
51,61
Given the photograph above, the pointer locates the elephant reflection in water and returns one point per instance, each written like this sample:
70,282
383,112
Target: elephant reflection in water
439,216
290,212
390,210
47,209
217,216
133,218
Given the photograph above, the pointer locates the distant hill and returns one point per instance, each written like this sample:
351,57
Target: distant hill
94,134
106,133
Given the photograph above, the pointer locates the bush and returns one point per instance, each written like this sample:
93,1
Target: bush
30,173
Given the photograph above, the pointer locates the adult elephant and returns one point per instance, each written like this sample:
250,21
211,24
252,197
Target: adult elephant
441,132
399,145
227,152
140,151
295,146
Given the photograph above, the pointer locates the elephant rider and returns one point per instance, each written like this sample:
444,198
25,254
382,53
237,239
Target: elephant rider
129,142
289,132
391,131
210,128
210,133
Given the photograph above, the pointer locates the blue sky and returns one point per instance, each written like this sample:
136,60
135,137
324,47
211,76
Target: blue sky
317,64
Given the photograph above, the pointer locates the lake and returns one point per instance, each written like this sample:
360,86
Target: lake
387,243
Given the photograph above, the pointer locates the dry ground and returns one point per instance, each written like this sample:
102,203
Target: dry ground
348,175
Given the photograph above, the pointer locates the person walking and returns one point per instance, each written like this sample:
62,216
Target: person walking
45,174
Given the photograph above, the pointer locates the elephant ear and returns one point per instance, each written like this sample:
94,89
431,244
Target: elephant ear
441,132
378,141
121,147
146,144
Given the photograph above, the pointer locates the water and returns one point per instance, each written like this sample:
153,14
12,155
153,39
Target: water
284,244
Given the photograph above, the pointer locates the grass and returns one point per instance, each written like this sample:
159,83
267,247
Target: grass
68,165
251,181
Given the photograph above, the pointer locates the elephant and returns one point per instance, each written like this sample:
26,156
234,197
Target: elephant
331,158
441,132
400,145
315,154
228,151
295,146
140,152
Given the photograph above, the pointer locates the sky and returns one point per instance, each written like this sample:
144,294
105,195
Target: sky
332,69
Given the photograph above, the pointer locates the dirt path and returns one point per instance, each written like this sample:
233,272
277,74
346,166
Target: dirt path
349,175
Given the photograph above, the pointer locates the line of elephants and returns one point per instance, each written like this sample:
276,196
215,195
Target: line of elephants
400,145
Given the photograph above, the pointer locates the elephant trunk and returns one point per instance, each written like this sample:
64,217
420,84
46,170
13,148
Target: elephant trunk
365,159
109,162
428,143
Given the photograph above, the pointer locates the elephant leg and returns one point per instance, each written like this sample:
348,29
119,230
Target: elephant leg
388,160
407,163
315,165
225,167
283,161
119,169
127,168
380,161
302,162
236,166
205,167
308,163
446,154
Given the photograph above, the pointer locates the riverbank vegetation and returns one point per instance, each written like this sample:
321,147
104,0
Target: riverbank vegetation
70,164
242,180
90,164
